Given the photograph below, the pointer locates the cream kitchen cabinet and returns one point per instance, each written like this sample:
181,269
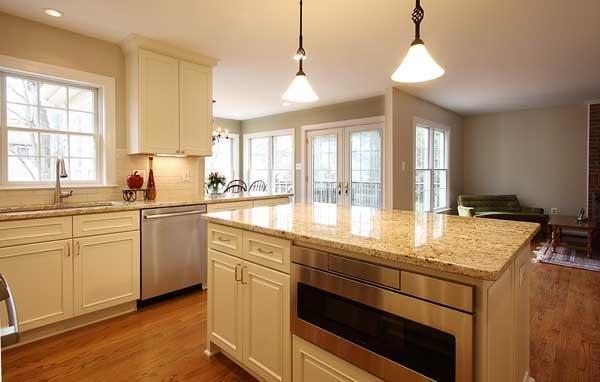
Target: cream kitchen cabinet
249,315
41,279
225,300
95,266
312,363
169,99
106,271
266,322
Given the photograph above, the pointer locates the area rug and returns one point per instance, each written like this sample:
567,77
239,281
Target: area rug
567,257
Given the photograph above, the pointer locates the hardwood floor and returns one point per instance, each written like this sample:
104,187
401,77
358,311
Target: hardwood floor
162,342
565,324
165,342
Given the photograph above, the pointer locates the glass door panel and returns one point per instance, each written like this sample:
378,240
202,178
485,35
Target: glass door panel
364,184
324,174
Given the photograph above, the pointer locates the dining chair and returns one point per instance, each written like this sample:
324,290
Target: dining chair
236,186
258,185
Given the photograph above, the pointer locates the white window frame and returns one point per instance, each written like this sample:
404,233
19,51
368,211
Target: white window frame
235,156
271,133
105,113
432,127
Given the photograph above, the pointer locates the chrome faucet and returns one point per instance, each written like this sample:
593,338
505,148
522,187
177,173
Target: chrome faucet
61,172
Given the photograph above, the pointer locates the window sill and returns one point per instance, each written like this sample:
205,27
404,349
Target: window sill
51,187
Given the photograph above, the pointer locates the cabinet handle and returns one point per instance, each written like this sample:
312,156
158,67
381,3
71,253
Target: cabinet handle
77,248
242,279
237,266
68,250
223,239
265,252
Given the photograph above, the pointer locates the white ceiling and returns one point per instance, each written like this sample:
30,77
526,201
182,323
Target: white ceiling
498,54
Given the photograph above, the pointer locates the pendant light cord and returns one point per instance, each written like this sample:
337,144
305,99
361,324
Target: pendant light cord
417,16
301,52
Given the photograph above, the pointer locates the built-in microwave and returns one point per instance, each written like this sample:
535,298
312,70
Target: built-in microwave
357,311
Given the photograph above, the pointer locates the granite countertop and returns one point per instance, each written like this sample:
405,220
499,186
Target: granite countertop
44,211
473,247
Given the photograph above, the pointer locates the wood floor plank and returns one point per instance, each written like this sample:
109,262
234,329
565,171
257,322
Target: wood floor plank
166,341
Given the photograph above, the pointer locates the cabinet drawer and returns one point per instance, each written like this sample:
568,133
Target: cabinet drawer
19,232
267,250
270,202
225,239
311,363
100,224
216,207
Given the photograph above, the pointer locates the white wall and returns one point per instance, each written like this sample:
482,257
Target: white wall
538,154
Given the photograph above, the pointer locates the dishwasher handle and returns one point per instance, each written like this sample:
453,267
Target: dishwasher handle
10,334
160,216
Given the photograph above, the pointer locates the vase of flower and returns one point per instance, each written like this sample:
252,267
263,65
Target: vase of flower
214,182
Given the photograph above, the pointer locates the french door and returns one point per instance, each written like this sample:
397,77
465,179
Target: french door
344,166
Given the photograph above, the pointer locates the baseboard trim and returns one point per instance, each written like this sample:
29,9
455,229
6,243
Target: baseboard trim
73,323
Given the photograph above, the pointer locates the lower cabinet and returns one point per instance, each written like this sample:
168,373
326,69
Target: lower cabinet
224,299
106,271
312,363
249,315
57,280
41,280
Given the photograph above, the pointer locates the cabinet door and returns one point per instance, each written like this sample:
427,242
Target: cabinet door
158,103
41,279
224,303
195,108
107,271
267,336
312,363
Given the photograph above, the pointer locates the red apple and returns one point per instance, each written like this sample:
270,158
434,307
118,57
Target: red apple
135,181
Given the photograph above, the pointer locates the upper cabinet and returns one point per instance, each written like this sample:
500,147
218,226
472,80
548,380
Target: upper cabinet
169,99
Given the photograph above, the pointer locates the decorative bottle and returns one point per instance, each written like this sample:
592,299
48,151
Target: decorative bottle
151,187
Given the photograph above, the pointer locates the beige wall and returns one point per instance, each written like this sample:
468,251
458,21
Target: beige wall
539,154
369,107
405,108
34,41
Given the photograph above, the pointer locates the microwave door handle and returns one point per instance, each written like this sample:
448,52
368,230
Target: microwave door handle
10,335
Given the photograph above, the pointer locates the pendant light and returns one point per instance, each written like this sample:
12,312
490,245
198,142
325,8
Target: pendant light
418,65
300,90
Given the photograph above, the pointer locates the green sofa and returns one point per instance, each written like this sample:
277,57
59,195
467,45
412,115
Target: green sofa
506,207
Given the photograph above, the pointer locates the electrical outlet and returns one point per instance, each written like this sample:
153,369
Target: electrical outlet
187,178
553,210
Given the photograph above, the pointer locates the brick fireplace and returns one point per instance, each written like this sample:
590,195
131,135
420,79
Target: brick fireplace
594,162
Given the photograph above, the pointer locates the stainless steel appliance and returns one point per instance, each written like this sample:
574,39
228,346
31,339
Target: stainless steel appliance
368,315
9,334
173,249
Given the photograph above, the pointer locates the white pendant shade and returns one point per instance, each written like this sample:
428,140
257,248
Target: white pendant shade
300,91
417,66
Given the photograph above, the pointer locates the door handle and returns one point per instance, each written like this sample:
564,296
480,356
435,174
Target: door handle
339,188
346,188
10,334
242,279
237,266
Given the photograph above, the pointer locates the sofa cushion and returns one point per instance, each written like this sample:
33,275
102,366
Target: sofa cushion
487,203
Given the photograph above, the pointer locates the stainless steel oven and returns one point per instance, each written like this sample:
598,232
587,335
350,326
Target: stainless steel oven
359,312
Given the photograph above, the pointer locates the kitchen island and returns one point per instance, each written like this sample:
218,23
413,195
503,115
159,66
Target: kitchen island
308,292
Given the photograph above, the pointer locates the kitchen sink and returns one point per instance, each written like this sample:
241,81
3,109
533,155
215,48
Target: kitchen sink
49,207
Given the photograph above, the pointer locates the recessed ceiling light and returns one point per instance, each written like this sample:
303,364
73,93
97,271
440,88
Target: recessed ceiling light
53,12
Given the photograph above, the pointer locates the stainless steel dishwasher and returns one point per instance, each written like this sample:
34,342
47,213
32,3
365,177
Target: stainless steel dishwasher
173,249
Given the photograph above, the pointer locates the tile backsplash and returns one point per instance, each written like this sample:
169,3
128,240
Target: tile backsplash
176,179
